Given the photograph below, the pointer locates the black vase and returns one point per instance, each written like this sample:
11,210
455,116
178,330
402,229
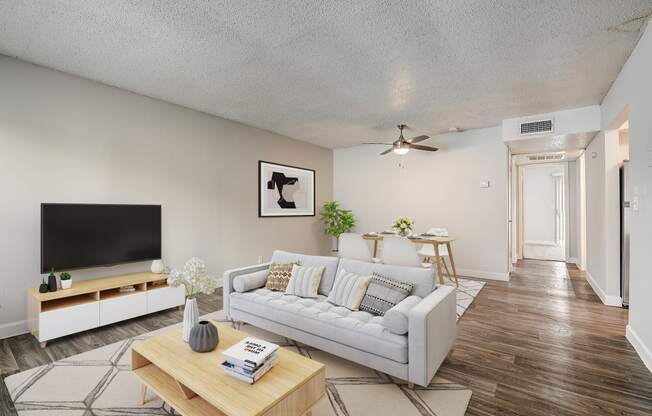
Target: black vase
52,283
203,337
43,288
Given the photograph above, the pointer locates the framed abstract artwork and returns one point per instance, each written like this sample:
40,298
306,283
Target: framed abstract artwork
285,191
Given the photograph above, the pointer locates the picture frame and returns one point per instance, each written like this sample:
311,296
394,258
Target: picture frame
285,190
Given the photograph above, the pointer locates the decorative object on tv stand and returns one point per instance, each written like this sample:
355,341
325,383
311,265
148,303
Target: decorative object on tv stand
52,282
336,221
66,280
285,191
203,337
157,267
195,279
403,226
43,288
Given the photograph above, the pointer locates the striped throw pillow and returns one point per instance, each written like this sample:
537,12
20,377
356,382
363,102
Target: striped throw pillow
348,290
383,293
279,276
304,281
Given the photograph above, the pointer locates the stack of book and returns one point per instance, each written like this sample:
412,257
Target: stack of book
249,359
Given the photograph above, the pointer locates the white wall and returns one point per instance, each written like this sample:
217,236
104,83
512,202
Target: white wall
573,212
436,189
632,91
66,139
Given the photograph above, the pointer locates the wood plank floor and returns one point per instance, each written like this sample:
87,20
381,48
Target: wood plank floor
540,344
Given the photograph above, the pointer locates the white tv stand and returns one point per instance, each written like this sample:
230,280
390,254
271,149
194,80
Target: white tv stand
94,303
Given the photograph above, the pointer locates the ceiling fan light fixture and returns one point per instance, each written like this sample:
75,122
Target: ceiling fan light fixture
401,150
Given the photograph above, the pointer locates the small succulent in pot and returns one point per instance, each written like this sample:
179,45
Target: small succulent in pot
66,280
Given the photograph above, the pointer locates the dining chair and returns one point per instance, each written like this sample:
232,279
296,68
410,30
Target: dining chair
399,251
353,246
428,250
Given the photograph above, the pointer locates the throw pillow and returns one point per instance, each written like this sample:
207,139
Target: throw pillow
383,293
348,290
304,281
250,281
278,276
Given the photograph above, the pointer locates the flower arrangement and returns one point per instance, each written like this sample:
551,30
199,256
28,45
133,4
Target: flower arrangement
403,226
194,277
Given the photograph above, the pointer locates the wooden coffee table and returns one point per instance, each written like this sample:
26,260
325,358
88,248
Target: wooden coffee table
195,384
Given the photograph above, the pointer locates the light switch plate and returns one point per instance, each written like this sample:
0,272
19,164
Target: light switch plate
485,184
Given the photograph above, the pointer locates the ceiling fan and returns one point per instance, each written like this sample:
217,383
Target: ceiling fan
402,145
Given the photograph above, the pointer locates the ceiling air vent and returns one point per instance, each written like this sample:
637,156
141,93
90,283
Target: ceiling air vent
536,127
545,157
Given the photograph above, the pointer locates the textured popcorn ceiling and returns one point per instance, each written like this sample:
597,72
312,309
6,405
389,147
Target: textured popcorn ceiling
337,73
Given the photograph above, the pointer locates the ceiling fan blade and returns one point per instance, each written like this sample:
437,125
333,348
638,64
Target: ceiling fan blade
387,151
420,147
418,139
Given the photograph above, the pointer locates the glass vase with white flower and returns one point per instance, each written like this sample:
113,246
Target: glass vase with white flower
196,280
403,226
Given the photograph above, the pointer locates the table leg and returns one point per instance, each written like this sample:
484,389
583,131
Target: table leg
440,273
143,393
450,256
375,248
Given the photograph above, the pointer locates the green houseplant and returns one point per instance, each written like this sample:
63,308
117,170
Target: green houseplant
66,280
336,220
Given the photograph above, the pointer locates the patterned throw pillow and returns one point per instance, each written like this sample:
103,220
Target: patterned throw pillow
348,290
304,281
278,276
383,293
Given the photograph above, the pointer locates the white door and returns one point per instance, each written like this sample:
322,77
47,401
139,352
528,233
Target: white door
544,211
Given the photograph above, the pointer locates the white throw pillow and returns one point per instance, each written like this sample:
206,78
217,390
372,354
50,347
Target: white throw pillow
349,289
247,282
304,281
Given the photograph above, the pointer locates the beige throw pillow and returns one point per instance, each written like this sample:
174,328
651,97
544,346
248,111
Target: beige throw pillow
304,281
348,290
278,276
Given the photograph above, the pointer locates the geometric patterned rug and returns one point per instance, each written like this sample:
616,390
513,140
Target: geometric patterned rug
100,383
466,293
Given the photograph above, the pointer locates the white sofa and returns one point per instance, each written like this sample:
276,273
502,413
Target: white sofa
358,336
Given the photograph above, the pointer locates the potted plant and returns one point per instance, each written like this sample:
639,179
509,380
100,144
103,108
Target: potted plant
336,220
66,280
403,226
195,279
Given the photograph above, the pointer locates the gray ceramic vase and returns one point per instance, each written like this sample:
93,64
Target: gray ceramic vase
203,337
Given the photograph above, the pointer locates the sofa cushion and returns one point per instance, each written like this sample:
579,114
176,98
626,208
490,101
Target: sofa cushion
329,263
423,279
356,329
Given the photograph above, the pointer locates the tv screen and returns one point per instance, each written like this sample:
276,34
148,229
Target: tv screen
76,236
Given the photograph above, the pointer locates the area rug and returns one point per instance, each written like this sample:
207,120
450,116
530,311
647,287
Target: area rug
466,292
100,382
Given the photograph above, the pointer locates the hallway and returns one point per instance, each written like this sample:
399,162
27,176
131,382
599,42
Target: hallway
544,344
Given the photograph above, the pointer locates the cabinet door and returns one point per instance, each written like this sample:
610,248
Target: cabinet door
68,320
123,307
164,298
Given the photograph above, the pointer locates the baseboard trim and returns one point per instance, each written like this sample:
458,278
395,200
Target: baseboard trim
606,299
13,328
481,274
574,261
641,349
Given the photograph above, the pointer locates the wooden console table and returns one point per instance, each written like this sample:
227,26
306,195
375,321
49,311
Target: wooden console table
94,303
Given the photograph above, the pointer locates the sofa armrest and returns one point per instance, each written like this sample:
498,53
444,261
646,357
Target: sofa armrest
432,331
227,282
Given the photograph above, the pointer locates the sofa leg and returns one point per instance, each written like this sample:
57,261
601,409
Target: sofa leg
410,386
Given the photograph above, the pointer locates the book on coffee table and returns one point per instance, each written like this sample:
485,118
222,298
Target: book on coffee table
249,359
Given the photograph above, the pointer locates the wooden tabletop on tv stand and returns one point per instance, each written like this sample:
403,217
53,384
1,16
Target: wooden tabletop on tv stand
96,285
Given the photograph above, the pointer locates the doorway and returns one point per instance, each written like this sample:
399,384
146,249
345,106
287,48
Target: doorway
544,205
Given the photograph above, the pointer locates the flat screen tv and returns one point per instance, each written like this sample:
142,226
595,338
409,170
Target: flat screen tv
76,236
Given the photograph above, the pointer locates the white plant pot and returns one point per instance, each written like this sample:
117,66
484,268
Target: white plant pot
66,284
157,267
190,317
